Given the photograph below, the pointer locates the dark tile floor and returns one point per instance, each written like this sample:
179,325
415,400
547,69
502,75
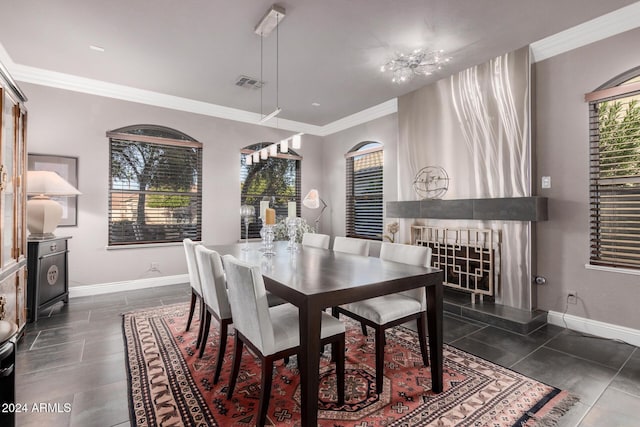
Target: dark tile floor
74,354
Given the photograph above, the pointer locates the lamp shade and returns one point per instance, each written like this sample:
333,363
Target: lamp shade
44,214
296,142
49,184
312,199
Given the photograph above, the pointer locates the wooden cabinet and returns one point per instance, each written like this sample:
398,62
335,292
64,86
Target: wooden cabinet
13,242
48,280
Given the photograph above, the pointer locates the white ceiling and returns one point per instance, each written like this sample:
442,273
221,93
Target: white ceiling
330,51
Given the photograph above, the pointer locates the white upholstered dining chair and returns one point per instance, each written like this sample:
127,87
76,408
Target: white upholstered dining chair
271,333
315,240
388,311
351,246
216,301
196,286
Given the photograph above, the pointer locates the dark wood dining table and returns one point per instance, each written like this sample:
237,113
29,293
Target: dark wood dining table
314,279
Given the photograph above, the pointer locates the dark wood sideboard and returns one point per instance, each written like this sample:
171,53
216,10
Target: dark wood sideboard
48,277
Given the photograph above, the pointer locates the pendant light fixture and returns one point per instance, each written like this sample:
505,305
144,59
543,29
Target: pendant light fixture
270,21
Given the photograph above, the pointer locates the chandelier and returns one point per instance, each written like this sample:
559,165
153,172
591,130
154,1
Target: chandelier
419,62
254,157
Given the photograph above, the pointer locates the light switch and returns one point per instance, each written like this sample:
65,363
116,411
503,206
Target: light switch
546,182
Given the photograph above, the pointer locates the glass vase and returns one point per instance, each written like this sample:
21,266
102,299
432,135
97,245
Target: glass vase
267,239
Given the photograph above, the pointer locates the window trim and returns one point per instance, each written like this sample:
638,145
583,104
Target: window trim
153,140
612,92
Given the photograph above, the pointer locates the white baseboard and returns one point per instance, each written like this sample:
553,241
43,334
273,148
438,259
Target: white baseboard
595,327
130,285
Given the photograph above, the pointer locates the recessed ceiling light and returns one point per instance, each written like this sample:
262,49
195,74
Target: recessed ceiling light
315,104
96,48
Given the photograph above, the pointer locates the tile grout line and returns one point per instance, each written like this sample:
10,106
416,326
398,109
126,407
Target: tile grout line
536,349
469,334
606,387
589,360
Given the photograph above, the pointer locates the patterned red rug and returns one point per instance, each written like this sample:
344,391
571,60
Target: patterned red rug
170,386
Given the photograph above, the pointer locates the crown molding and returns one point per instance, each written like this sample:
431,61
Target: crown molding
70,82
371,113
621,20
602,27
74,83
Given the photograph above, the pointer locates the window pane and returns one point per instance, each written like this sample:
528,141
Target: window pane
615,182
275,179
155,191
365,193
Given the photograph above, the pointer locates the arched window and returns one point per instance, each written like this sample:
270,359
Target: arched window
615,172
275,179
364,191
155,185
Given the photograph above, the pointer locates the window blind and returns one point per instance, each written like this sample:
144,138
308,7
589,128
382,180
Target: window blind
615,180
364,181
155,190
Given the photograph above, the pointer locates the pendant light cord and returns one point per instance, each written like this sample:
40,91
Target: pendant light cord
277,61
261,80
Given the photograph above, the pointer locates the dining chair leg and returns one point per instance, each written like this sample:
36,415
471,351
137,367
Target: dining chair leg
364,329
265,387
205,333
203,312
192,308
379,359
224,326
422,336
338,354
237,356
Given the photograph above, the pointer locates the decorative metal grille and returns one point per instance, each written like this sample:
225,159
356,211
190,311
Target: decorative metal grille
469,257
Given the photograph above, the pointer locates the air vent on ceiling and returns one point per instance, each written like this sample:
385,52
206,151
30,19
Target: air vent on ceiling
248,82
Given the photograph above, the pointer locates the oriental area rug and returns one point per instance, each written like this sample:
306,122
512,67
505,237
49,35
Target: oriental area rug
170,386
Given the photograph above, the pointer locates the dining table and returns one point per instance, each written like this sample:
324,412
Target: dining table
314,279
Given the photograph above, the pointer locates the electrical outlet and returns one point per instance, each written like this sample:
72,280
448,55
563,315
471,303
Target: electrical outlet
572,297
155,266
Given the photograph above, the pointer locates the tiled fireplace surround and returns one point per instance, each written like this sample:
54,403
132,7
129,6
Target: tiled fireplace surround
525,209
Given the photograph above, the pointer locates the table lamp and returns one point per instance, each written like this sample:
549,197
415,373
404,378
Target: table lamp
44,214
312,200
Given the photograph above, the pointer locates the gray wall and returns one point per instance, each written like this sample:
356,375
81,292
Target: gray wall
67,123
74,124
563,153
384,130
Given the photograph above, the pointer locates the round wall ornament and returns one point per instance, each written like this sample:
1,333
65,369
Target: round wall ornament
431,182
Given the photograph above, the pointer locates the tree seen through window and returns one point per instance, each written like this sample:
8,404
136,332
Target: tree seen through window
155,186
276,179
